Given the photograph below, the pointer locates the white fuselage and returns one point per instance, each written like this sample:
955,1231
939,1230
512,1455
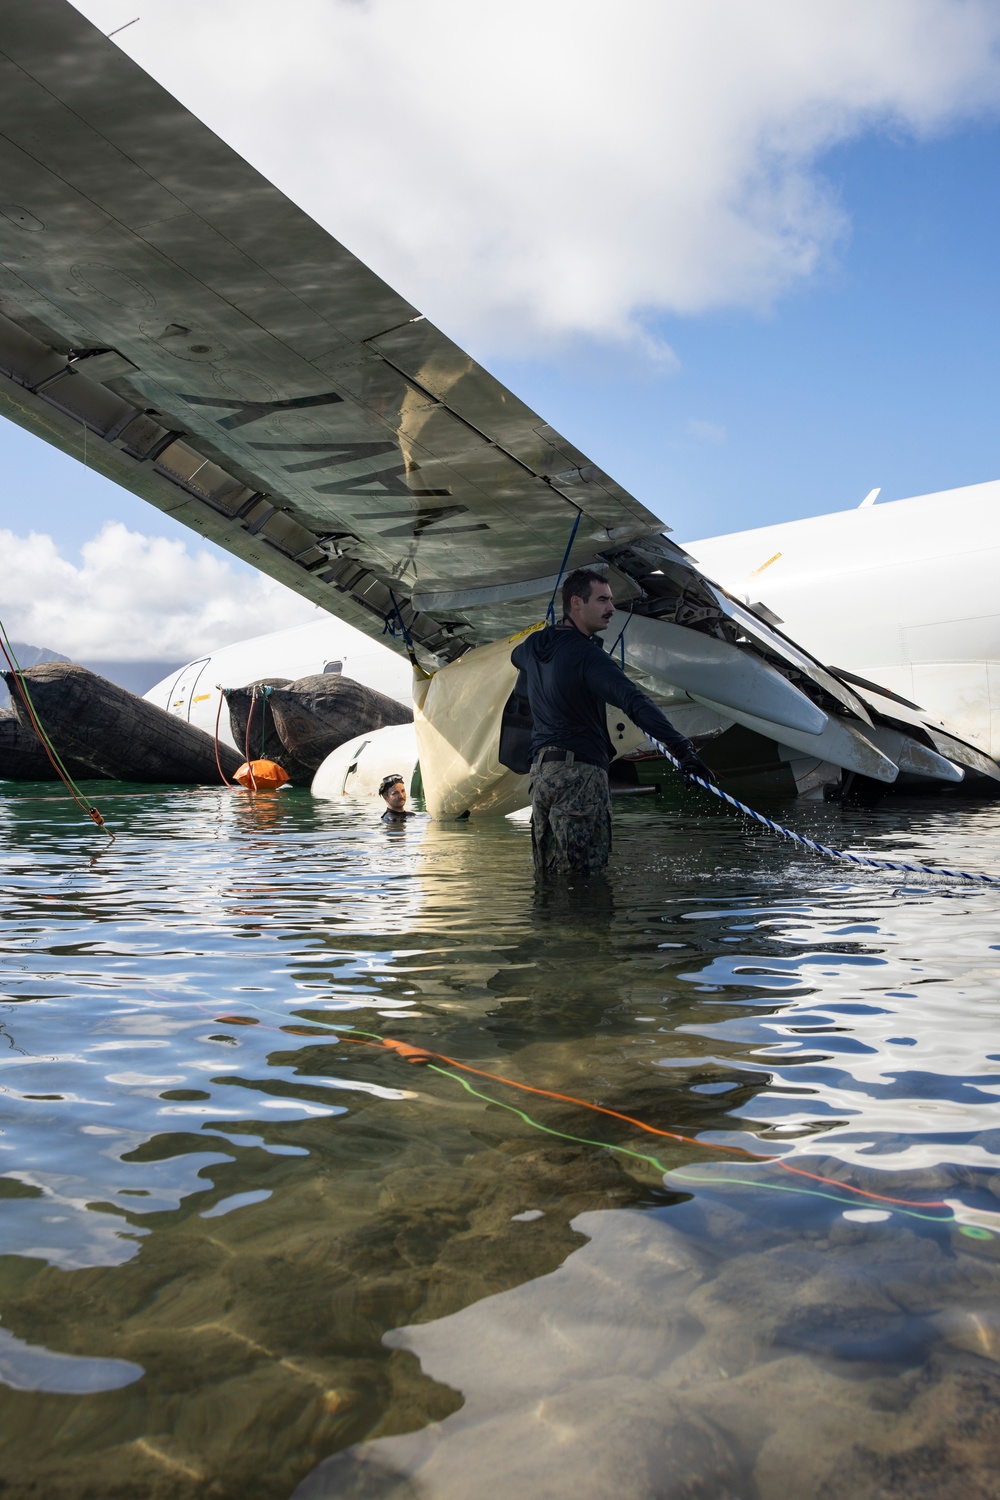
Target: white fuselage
905,594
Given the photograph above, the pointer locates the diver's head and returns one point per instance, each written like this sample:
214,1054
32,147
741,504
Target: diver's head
392,790
587,601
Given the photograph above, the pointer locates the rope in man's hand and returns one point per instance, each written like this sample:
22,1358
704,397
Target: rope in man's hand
696,773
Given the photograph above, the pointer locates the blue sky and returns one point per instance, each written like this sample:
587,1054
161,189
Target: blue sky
882,369
828,325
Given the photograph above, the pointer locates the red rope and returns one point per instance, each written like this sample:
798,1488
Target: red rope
246,743
218,762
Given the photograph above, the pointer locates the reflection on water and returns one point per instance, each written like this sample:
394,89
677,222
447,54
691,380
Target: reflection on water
249,1251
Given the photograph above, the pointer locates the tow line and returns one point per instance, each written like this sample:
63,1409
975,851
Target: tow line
23,693
826,851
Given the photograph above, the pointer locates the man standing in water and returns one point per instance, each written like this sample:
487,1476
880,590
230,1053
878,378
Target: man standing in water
570,682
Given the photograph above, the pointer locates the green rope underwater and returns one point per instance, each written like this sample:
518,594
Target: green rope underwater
683,1174
548,1129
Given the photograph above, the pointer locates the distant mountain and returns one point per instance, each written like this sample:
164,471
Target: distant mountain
25,656
33,656
136,676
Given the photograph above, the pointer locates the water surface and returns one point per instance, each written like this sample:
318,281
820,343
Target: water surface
248,1251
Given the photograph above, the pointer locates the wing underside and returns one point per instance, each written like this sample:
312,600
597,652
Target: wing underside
242,367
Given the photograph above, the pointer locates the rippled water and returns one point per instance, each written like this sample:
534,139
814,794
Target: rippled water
245,1256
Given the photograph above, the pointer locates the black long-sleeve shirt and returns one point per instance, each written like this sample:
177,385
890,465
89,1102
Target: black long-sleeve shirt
570,682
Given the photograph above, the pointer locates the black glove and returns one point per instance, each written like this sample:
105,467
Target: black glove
693,765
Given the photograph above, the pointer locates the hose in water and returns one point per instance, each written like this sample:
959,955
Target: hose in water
21,687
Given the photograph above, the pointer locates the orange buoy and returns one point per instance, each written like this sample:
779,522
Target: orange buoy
261,775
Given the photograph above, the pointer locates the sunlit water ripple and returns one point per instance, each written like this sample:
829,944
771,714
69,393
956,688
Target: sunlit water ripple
246,1256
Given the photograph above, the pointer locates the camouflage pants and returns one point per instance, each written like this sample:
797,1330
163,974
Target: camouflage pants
570,817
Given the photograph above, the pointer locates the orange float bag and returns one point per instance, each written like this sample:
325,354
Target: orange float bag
261,776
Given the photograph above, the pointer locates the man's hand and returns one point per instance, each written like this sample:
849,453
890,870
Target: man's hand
693,765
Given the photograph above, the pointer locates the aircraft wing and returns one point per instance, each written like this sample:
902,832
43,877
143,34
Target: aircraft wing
232,363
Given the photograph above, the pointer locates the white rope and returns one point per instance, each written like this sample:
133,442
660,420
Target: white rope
825,850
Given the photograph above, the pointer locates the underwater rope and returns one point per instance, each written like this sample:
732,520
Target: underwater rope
414,1054
422,1055
899,1205
826,851
50,750
895,1205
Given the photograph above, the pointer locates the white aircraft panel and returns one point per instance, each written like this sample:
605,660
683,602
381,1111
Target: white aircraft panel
838,743
711,669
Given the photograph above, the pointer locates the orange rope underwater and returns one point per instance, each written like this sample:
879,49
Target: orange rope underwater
911,1207
420,1054
413,1054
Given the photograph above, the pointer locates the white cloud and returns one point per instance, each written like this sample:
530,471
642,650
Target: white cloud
135,598
547,169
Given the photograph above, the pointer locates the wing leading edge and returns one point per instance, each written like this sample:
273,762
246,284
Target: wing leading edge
161,293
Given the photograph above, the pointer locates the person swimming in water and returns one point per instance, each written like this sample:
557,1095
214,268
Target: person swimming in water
392,790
